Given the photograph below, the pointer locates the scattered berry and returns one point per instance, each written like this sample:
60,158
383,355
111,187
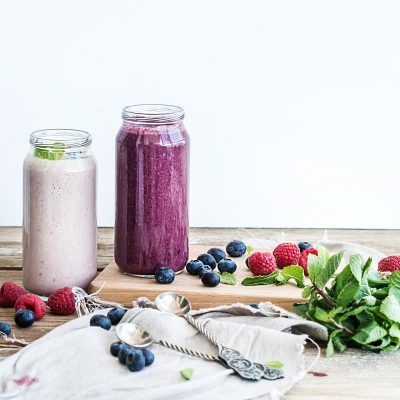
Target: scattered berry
24,318
62,302
217,253
204,269
303,259
247,262
262,263
210,279
135,361
9,293
207,259
164,275
31,302
116,347
116,314
5,328
148,357
192,267
236,248
304,245
227,265
286,254
101,321
124,352
389,264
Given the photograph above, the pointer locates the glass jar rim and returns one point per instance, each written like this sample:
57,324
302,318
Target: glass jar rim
64,138
153,114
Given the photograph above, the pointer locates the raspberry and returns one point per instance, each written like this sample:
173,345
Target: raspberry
286,254
62,302
389,264
262,263
9,293
31,302
303,260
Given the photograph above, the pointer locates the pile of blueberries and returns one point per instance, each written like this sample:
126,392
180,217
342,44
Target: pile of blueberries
135,359
216,258
205,264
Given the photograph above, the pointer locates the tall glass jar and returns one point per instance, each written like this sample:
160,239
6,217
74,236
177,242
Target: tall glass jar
152,179
59,225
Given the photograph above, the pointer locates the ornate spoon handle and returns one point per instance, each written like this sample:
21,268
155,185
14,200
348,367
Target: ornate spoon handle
230,357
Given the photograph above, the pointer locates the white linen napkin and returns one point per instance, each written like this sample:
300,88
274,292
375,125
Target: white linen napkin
73,360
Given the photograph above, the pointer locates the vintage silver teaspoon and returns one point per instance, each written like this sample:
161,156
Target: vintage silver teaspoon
177,304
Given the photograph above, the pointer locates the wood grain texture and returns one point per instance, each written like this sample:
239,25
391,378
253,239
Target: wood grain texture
121,288
353,375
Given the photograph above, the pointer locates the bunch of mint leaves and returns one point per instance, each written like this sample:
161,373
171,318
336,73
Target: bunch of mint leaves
358,307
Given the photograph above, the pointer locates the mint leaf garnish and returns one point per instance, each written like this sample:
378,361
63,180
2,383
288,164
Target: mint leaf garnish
274,364
187,373
260,280
227,278
296,273
53,152
249,249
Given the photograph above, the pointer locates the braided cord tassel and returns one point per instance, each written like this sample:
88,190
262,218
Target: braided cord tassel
189,352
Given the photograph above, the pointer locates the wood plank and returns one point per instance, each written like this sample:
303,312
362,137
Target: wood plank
116,286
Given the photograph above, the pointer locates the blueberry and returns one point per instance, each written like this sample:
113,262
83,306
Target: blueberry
192,267
5,328
203,269
135,361
227,265
116,347
207,259
24,318
247,262
236,248
101,321
210,279
164,275
124,352
304,245
217,253
116,314
254,305
148,357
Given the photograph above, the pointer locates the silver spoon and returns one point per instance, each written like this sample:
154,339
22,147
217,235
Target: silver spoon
177,304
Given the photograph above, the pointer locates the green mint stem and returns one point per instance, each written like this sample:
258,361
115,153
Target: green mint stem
327,300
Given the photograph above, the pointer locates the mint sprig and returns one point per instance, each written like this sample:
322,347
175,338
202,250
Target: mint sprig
358,307
278,277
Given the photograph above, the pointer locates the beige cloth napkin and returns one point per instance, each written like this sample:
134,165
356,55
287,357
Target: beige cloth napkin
73,361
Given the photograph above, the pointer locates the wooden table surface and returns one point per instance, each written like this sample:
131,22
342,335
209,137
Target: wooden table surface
353,375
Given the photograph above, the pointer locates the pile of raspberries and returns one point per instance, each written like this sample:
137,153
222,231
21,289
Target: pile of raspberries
61,302
285,254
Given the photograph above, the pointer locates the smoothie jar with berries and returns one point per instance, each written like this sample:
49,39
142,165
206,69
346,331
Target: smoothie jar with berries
59,215
152,178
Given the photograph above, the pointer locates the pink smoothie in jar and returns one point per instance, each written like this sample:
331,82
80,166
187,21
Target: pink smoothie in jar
59,226
152,179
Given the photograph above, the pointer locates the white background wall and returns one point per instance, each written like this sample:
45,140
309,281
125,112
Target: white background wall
293,106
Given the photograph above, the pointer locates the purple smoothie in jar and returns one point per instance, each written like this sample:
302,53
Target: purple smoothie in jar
152,182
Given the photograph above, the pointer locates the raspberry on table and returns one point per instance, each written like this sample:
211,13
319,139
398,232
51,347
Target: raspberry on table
62,302
286,254
9,293
303,259
389,264
262,263
31,302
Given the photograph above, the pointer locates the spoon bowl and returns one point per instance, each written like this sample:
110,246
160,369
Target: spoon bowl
133,335
173,303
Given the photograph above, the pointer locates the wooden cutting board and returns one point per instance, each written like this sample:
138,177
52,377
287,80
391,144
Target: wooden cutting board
124,289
